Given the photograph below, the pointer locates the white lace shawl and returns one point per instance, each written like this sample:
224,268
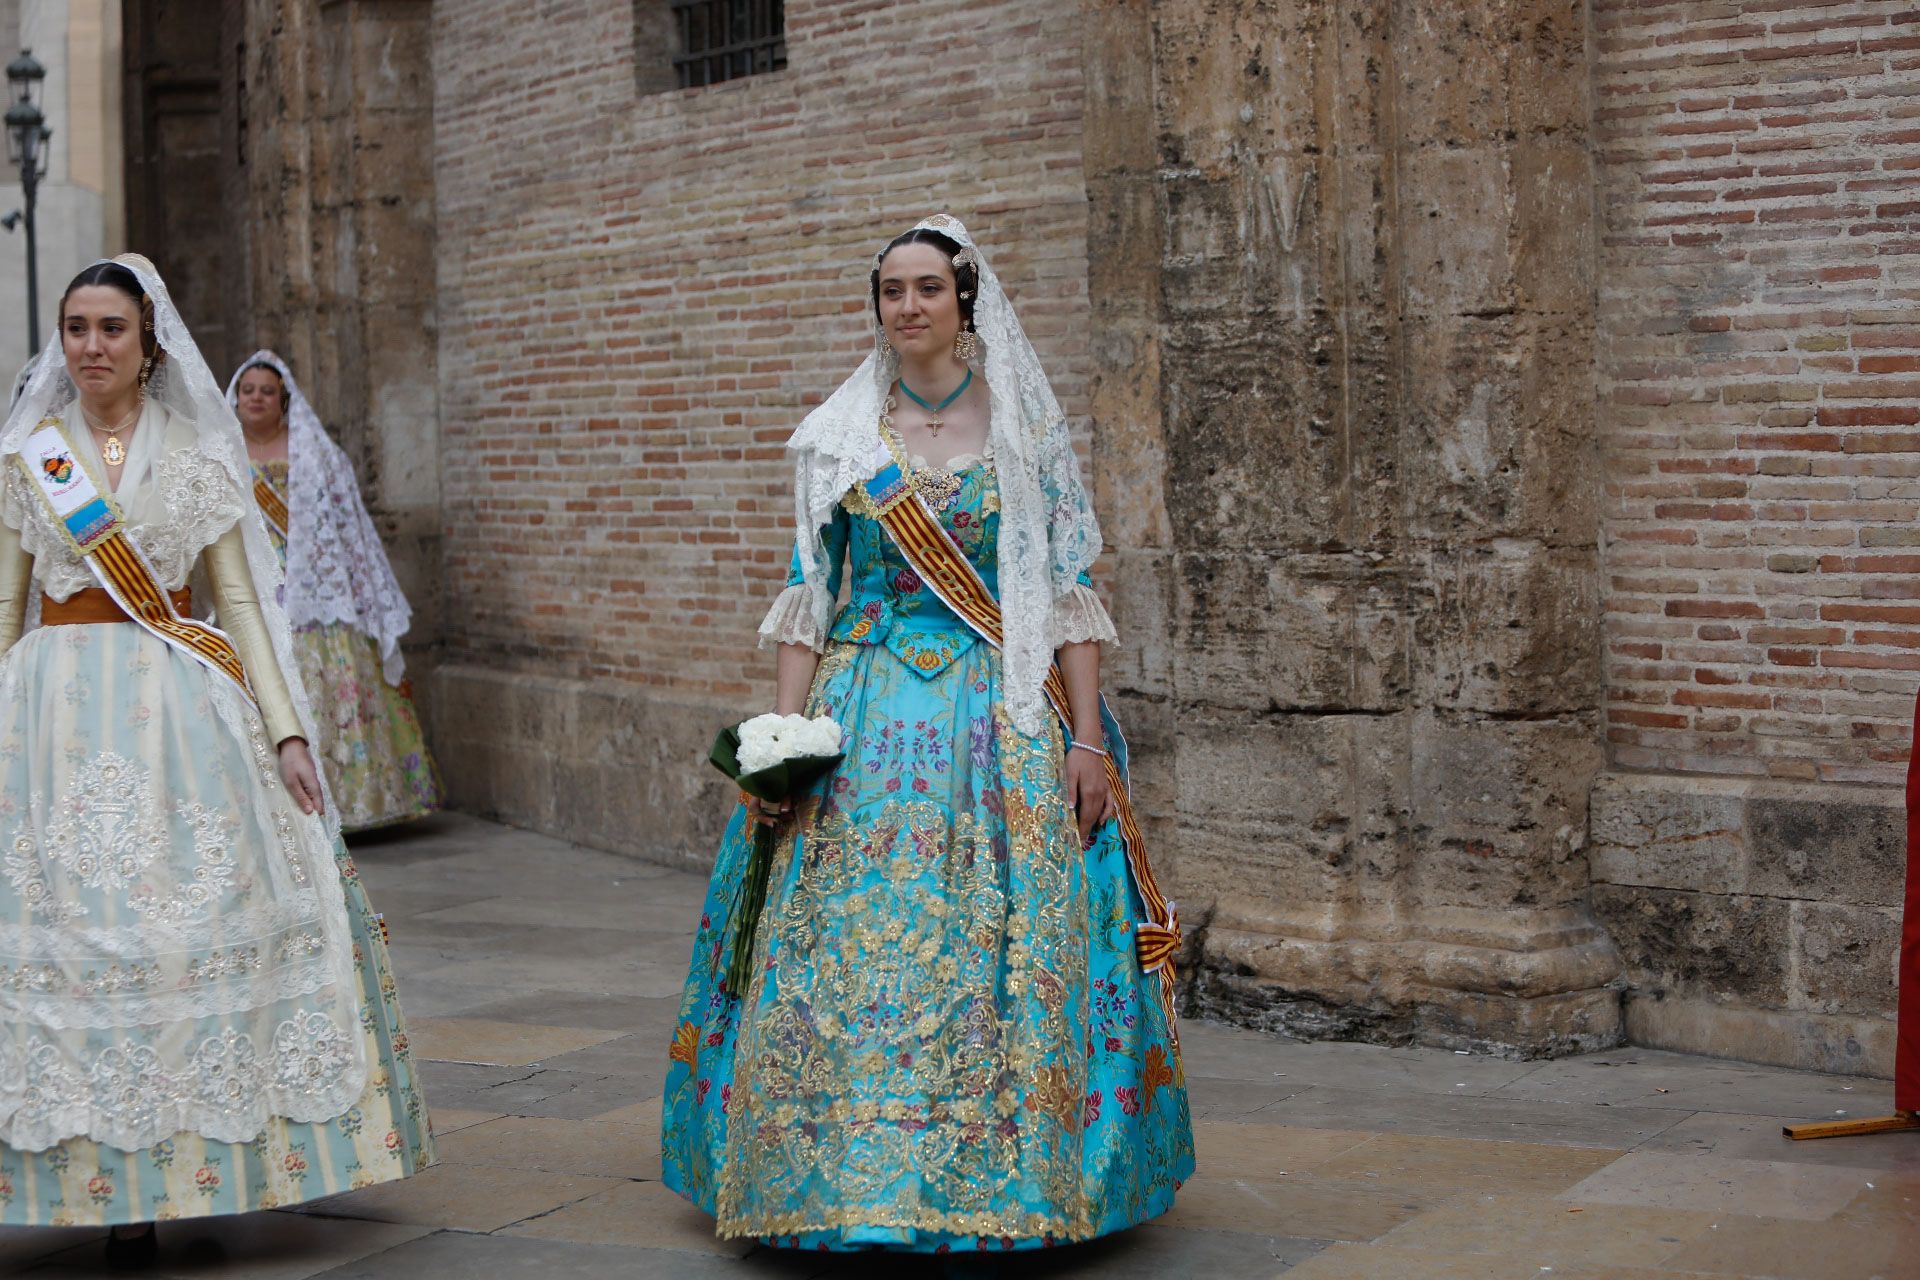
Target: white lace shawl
177,502
337,567
1048,533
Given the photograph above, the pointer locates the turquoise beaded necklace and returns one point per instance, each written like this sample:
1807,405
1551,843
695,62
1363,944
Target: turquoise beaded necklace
935,410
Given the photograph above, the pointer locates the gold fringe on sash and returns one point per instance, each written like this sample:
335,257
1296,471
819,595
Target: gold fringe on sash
126,574
271,506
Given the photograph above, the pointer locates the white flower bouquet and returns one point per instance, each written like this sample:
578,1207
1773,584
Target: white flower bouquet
771,758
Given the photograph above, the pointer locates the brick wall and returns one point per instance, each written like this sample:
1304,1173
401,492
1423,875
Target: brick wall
1759,358
641,294
1759,366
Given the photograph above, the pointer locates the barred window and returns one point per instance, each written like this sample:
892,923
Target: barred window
727,39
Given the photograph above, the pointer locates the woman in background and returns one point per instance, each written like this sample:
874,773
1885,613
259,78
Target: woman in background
342,599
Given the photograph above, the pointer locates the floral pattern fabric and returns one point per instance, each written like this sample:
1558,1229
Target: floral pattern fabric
379,770
947,1043
382,1137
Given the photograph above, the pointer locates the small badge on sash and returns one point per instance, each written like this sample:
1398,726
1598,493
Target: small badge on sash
87,516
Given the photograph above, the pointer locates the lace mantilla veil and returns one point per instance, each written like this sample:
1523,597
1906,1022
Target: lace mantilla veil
1048,533
337,567
220,1058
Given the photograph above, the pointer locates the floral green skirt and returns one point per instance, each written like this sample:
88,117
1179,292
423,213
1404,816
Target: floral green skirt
80,1183
378,767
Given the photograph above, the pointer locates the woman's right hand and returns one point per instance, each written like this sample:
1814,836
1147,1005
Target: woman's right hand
767,813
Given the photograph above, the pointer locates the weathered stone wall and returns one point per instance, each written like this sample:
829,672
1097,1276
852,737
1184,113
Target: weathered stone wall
309,120
177,167
340,268
1343,295
641,291
1759,337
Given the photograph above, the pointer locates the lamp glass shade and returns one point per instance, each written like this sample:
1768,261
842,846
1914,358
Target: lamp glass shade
23,73
26,129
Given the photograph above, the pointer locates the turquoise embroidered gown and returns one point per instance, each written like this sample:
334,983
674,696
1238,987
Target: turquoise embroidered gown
948,1043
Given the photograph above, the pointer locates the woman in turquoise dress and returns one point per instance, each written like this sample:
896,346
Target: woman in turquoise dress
949,1041
197,1015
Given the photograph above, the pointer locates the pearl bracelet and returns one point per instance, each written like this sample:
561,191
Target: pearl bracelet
1087,746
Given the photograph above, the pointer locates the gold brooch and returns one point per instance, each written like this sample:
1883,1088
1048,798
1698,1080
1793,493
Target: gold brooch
938,487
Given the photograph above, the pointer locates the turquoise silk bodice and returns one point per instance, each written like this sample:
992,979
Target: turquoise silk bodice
887,603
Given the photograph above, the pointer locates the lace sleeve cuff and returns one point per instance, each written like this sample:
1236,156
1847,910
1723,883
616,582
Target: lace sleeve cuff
791,620
1079,616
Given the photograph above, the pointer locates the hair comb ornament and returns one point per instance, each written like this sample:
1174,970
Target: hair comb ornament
965,258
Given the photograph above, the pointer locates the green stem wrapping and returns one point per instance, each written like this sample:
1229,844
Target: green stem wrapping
747,908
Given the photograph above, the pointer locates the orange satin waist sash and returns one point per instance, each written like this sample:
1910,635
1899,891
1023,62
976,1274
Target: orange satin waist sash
94,604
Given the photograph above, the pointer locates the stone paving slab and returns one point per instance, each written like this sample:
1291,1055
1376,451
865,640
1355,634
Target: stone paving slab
450,1255
485,1042
1552,1232
1465,1115
1674,1081
600,1148
1745,1137
541,982
600,1011
1754,1188
259,1246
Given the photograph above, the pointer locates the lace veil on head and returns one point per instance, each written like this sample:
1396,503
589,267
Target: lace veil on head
337,567
1048,533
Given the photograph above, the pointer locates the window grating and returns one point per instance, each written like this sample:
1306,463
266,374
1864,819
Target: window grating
727,39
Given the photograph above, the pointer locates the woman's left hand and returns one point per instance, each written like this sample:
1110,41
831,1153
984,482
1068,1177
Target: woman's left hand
1088,791
302,779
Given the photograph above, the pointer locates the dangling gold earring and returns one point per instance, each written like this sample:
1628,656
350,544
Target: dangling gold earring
880,337
146,372
966,346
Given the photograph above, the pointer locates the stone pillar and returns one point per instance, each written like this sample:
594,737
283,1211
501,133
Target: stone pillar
1342,287
336,100
177,166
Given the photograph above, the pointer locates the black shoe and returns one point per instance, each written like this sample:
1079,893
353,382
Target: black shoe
133,1251
205,1252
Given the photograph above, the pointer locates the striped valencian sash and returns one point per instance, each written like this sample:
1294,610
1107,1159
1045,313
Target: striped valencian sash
92,525
943,567
268,499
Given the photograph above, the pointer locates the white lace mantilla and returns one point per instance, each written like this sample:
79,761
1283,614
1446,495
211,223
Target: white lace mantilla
192,503
1048,533
337,567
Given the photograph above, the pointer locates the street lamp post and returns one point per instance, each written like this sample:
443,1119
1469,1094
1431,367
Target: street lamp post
27,136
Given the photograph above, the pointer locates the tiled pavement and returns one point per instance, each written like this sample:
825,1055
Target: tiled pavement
541,980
